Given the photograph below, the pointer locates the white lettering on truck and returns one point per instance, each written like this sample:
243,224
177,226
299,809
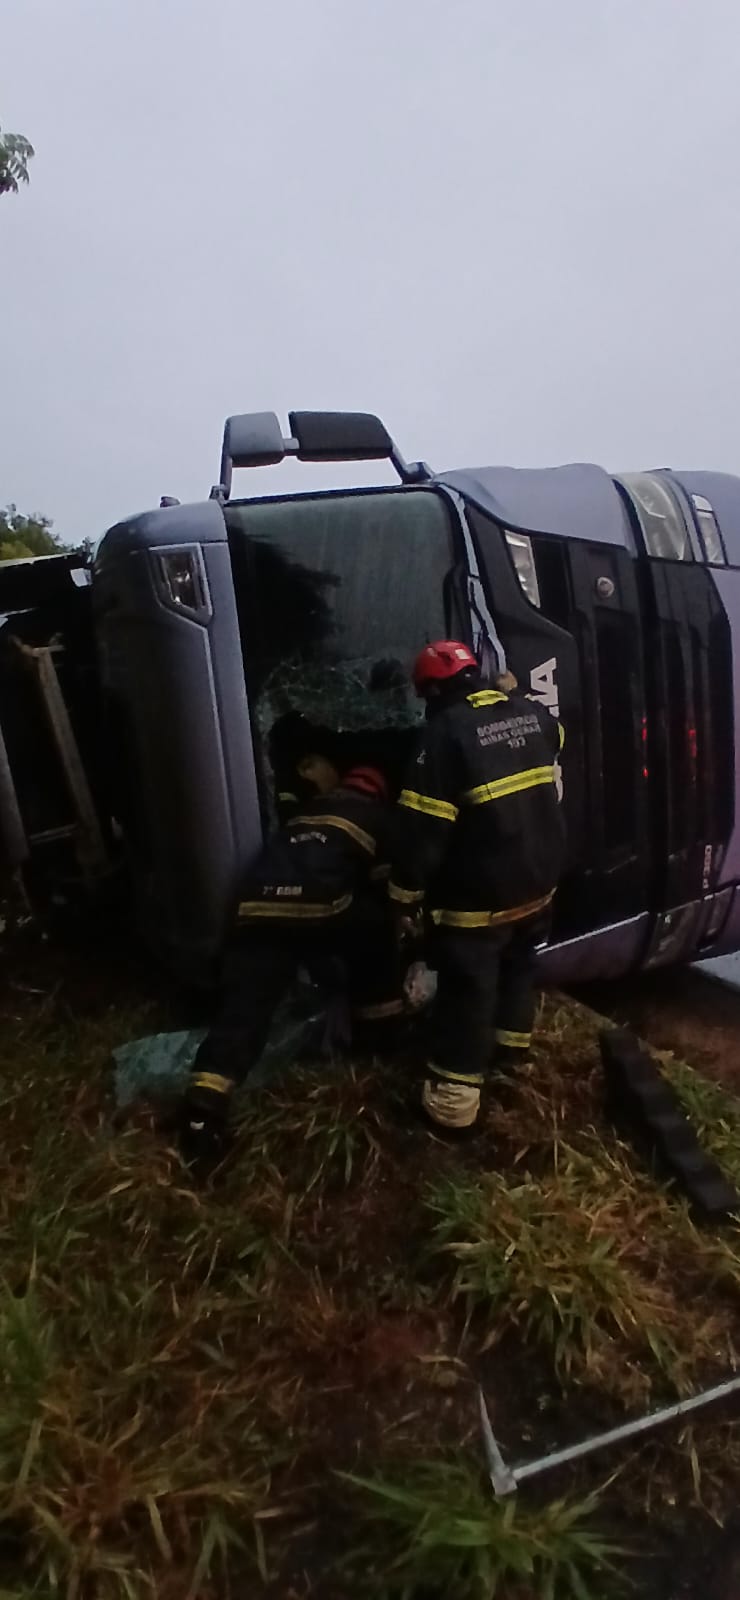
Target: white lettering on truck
543,686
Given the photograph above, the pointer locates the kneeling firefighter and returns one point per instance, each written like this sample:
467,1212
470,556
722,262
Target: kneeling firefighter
481,839
312,895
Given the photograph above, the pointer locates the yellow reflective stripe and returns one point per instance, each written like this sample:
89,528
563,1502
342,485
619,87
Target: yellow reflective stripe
405,897
428,805
211,1080
286,795
289,910
486,697
489,919
516,784
473,1079
513,1041
365,840
377,1013
463,919
561,736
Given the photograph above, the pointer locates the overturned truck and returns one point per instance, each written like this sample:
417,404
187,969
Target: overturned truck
154,699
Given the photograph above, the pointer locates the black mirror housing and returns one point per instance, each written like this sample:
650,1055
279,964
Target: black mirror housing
340,436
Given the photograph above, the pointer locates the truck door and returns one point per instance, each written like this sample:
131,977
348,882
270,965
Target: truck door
691,732
568,614
607,625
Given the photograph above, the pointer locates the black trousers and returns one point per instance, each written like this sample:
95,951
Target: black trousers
261,963
485,1005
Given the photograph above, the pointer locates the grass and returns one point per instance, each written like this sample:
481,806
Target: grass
568,1257
715,1115
531,1258
444,1535
335,1136
268,1387
115,1450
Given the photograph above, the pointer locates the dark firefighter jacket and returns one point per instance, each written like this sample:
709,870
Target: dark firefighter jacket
480,831
333,847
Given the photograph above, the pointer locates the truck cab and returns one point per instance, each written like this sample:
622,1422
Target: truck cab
234,633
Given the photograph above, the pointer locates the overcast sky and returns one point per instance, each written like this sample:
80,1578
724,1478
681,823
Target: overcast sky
510,227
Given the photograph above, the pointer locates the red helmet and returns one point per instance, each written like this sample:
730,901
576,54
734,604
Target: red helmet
369,780
439,662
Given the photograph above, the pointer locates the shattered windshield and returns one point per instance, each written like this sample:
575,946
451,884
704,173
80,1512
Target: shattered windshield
336,596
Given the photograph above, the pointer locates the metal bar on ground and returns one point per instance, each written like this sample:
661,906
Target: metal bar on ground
502,1478
506,1479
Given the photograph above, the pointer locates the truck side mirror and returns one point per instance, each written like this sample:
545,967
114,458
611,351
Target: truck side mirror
340,436
255,439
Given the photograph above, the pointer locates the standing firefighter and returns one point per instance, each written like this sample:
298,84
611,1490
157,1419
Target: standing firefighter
482,839
312,895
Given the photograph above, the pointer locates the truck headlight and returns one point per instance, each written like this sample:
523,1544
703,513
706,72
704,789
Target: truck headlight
523,558
182,579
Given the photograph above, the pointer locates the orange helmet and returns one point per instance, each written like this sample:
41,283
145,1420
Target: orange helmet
439,662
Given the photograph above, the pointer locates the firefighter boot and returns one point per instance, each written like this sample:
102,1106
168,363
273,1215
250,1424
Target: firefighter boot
451,1106
510,1054
204,1119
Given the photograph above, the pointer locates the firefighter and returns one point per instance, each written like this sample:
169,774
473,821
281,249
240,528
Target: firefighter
310,897
480,842
304,759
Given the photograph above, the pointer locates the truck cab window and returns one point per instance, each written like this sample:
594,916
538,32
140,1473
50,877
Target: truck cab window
711,537
660,515
553,581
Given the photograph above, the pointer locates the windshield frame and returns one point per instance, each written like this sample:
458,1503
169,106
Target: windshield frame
454,603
